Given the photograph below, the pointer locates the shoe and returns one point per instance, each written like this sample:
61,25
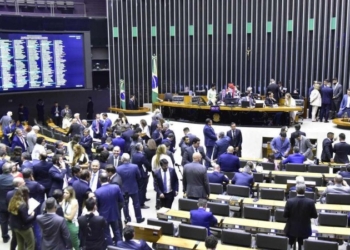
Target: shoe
148,199
140,221
144,207
5,240
326,121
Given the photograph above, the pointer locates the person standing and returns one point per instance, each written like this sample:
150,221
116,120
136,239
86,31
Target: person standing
211,95
40,109
5,121
221,145
90,109
274,88
81,188
280,146
23,113
337,96
190,150
209,139
327,148
327,95
41,172
56,114
294,135
315,101
341,150
58,174
31,138
97,127
345,105
236,139
86,142
298,226
6,180
19,140
304,146
228,161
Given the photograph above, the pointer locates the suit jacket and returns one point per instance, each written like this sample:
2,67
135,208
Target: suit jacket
97,127
221,146
86,143
127,137
92,232
41,173
153,125
90,108
53,111
132,105
17,142
243,179
200,217
293,136
195,180
294,158
269,102
31,140
130,175
159,187
141,161
338,92
118,141
22,220
299,224
327,150
107,124
156,136
81,188
335,189
6,185
217,177
117,180
209,136
305,147
27,164
57,178
273,87
74,129
110,160
282,146
341,150
235,139
327,95
108,196
68,113
344,102
188,153
55,234
5,122
36,190
228,162
173,142
133,244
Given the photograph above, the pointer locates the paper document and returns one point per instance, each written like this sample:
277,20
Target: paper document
32,205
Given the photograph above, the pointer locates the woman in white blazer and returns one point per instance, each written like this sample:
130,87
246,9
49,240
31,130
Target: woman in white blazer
315,100
290,102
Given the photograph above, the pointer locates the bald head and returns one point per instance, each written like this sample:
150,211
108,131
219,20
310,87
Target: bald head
230,150
338,179
216,167
18,182
197,157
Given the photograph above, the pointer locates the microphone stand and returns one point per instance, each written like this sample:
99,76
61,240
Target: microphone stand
178,166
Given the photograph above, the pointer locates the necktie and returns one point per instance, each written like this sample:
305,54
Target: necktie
196,150
97,126
92,180
116,162
23,142
164,183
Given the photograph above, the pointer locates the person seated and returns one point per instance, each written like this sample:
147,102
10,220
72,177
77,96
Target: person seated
244,178
211,242
345,171
130,243
217,177
270,101
228,161
300,180
296,157
340,187
249,98
202,217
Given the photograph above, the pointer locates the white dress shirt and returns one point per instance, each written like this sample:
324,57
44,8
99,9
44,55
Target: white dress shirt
94,181
168,183
36,151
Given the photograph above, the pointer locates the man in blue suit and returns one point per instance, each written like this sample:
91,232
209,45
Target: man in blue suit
41,172
126,135
169,140
327,96
119,141
221,145
130,243
75,172
157,135
26,163
209,139
58,174
6,180
280,146
228,161
106,124
19,141
345,105
245,178
296,157
97,127
139,159
166,184
166,132
81,188
86,142
217,177
131,176
108,197
201,217
236,139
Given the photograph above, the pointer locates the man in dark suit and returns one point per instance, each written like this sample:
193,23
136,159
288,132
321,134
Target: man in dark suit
327,96
295,134
54,228
274,88
95,173
6,185
298,226
58,174
129,243
221,145
188,133
195,179
188,153
97,127
75,173
108,198
126,135
236,139
132,103
344,105
26,163
41,173
74,129
341,150
185,143
166,184
209,139
119,141
337,96
169,140
157,135
92,228
19,140
90,109
296,157
115,158
107,123
139,159
228,161
131,176
244,178
327,148
56,114
81,188
201,217
217,177
86,142
166,132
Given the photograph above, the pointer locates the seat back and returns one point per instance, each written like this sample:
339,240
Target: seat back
229,174
242,163
279,215
274,242
272,194
341,199
310,195
323,169
236,190
347,180
219,208
332,220
236,238
320,244
318,180
167,226
293,167
187,204
216,188
268,166
258,177
114,248
256,213
282,179
192,232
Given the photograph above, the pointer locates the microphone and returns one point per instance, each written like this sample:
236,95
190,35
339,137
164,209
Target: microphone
160,100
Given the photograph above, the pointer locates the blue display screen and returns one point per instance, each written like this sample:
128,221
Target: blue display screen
39,61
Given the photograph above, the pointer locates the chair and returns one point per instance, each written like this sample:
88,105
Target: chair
216,188
114,248
318,180
266,241
51,147
258,177
236,238
257,213
57,136
230,175
295,167
341,199
282,179
192,232
272,194
268,166
310,195
236,190
242,163
187,204
320,244
279,215
65,139
219,208
347,180
48,132
332,220
167,226
323,169
300,103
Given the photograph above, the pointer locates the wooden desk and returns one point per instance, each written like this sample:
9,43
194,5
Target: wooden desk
341,124
57,128
146,232
51,140
139,111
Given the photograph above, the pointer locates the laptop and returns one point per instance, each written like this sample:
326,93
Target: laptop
232,102
259,105
245,104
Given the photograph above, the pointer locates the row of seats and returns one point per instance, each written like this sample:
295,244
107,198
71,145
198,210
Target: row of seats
38,3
